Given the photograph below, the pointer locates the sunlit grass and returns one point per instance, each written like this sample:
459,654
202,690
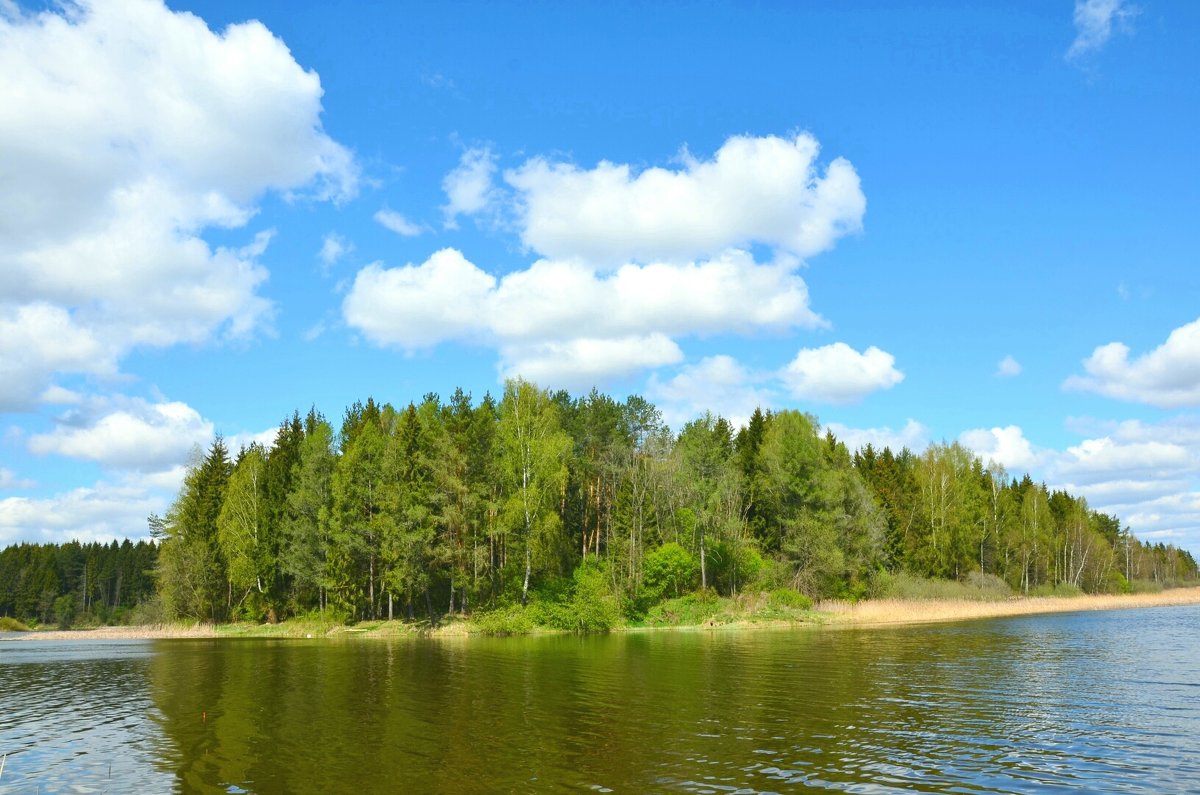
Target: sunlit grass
899,611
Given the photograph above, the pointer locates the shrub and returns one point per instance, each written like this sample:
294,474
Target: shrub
1145,586
981,588
1115,582
586,604
510,620
1062,590
64,611
8,624
786,598
669,571
694,608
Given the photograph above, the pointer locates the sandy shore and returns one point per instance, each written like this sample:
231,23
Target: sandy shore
150,632
891,611
879,612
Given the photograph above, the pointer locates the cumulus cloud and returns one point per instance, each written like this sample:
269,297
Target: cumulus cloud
1105,459
469,187
37,339
264,438
914,436
541,317
417,306
396,222
333,248
103,512
584,362
127,434
1167,377
1095,21
9,480
1005,446
128,130
719,384
1008,367
767,190
839,374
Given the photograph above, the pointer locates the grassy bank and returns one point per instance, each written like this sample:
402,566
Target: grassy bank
690,612
898,611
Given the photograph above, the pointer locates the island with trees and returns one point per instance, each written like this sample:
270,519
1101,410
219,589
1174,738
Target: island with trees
575,513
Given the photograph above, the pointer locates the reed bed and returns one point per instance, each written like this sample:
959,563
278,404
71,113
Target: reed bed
905,611
138,632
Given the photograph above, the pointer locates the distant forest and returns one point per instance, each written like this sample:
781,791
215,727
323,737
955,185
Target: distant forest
456,507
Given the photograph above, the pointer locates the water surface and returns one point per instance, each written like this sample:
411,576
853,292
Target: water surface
1101,702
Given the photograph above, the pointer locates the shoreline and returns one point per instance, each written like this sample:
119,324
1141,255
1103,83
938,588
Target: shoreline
897,612
833,614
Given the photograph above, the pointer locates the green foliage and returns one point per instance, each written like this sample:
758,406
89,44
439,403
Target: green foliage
64,611
1115,583
508,620
982,588
9,624
688,610
1138,585
789,599
670,570
577,508
1059,590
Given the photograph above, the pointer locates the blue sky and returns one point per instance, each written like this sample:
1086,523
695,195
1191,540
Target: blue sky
921,222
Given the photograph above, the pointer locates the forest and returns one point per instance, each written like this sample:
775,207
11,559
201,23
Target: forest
585,511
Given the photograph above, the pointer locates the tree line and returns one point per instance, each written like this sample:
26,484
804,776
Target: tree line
450,507
94,583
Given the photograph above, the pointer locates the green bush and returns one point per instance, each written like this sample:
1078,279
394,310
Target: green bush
1115,582
8,624
731,567
1062,590
586,604
64,611
909,587
510,620
786,598
1145,586
668,571
694,608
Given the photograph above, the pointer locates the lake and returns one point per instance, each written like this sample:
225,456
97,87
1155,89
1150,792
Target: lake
1100,702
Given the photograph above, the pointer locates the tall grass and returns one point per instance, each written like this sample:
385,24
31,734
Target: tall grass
975,588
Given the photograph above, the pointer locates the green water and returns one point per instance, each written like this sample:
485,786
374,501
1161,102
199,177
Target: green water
1095,702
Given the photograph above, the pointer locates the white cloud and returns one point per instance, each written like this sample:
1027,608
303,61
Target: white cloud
128,130
913,436
1006,446
59,396
1094,23
103,512
766,190
38,339
719,384
540,317
1008,367
237,441
419,305
469,189
333,248
1167,377
396,222
128,434
9,480
582,363
1104,459
839,374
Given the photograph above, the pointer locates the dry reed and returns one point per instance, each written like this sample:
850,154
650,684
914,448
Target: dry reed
897,611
